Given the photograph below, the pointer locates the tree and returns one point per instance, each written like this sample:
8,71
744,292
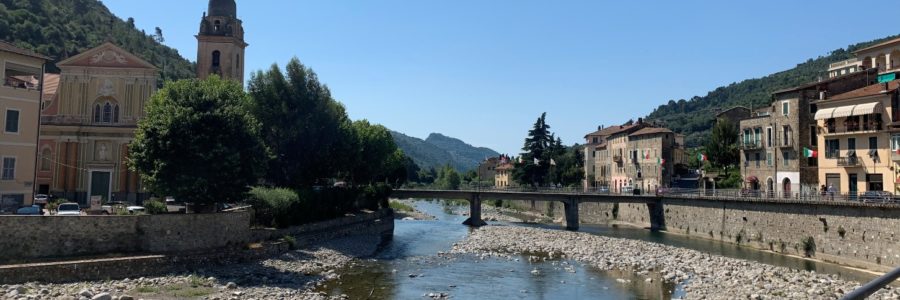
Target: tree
198,143
722,147
158,36
535,163
307,131
448,178
376,158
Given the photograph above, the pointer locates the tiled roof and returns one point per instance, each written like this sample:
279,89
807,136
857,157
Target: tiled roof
506,166
871,90
4,46
894,41
614,129
651,130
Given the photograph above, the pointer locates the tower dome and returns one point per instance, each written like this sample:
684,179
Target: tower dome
222,8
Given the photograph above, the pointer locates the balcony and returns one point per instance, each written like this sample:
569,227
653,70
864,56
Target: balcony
845,63
854,128
786,143
617,158
752,145
852,161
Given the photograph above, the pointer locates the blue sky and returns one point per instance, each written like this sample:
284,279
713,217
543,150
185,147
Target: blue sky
483,71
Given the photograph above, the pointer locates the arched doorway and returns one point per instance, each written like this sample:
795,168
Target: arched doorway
786,187
770,187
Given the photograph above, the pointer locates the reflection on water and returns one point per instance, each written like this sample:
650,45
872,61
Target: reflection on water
411,266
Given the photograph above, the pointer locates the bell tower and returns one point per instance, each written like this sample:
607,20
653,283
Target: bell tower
221,45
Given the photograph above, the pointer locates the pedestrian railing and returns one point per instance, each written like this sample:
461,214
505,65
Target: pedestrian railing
873,286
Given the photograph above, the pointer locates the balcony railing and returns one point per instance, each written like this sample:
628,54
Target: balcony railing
852,161
752,145
853,128
844,63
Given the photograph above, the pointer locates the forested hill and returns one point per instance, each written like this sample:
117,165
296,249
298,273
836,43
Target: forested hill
693,117
64,28
439,150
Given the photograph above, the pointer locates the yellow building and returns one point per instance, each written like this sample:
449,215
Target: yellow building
20,102
503,175
854,137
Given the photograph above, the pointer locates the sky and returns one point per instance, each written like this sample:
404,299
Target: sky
484,71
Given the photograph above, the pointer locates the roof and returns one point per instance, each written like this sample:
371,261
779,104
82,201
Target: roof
107,55
879,45
7,47
824,81
506,166
872,90
651,130
51,85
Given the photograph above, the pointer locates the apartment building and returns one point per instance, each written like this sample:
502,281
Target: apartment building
855,130
883,57
651,158
20,102
637,155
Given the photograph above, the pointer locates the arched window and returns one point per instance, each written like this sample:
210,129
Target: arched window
217,26
215,59
107,113
45,160
116,114
97,113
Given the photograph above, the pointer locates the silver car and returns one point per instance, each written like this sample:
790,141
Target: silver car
68,209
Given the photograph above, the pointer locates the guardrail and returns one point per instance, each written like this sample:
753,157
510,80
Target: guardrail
873,286
706,194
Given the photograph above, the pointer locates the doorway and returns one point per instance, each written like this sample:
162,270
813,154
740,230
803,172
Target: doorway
100,185
854,189
786,187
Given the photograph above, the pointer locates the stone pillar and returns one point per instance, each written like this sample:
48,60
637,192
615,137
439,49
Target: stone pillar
875,61
475,211
571,207
657,215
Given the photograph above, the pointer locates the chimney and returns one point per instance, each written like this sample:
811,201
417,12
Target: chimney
822,95
599,127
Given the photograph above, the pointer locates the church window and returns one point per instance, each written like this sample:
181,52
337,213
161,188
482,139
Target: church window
45,160
97,113
107,113
116,114
217,26
216,55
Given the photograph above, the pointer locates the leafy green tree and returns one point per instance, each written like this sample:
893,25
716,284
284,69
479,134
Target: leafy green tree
569,168
199,143
448,178
376,158
722,148
308,131
535,158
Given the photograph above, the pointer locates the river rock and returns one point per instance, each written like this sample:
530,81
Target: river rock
102,296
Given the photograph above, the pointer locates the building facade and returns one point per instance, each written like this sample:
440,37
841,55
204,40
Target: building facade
503,176
651,155
487,169
856,130
773,140
86,127
20,102
637,155
883,57
221,45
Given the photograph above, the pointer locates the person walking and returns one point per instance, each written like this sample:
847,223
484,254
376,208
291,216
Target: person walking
831,191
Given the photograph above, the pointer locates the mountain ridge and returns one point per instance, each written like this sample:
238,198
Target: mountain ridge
438,150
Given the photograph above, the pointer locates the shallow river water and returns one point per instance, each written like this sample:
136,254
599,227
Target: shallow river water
413,265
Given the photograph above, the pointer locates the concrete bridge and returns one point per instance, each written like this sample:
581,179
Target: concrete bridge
570,200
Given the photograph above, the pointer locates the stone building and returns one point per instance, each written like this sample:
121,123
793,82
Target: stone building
734,115
652,158
86,128
773,140
221,45
855,130
637,155
487,169
20,102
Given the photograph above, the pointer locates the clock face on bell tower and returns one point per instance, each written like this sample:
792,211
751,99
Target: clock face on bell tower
221,45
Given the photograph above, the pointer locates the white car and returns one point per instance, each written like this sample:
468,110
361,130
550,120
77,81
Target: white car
68,209
627,190
41,199
111,208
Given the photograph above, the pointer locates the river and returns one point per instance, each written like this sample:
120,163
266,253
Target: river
413,266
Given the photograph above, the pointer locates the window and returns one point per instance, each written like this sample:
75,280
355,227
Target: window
216,55
107,113
769,137
12,121
895,142
786,158
747,136
785,135
832,148
758,135
97,113
758,159
873,146
770,161
851,144
785,108
116,114
45,160
813,136
9,169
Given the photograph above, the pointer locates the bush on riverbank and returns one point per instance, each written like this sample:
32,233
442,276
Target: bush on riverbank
280,207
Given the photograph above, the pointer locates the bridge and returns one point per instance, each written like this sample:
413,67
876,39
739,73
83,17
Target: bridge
571,198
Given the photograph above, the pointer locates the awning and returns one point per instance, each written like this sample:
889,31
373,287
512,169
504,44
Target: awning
843,111
825,113
866,109
752,179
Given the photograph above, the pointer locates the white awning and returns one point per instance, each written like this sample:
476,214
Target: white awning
843,111
825,113
866,109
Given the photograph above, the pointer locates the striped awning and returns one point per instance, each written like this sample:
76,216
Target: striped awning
843,111
825,113
866,108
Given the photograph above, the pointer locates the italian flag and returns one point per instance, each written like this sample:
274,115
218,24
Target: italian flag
661,161
809,153
702,157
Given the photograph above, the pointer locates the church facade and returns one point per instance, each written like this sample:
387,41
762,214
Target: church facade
87,125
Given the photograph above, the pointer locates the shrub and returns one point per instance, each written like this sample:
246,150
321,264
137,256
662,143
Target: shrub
274,206
291,241
809,246
155,207
52,205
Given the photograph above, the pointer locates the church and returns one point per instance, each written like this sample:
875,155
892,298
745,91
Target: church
90,110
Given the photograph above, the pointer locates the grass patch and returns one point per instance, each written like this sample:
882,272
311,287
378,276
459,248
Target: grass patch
291,241
401,207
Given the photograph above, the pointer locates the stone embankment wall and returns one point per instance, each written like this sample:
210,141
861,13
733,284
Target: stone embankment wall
379,223
855,235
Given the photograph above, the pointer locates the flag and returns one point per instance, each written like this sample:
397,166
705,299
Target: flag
661,161
809,153
647,156
552,162
702,157
537,162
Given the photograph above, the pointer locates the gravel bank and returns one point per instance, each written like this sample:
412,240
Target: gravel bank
292,275
704,276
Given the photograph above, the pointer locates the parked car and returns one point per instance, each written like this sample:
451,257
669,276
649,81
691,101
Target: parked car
603,190
34,210
627,190
114,207
68,209
876,196
41,199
